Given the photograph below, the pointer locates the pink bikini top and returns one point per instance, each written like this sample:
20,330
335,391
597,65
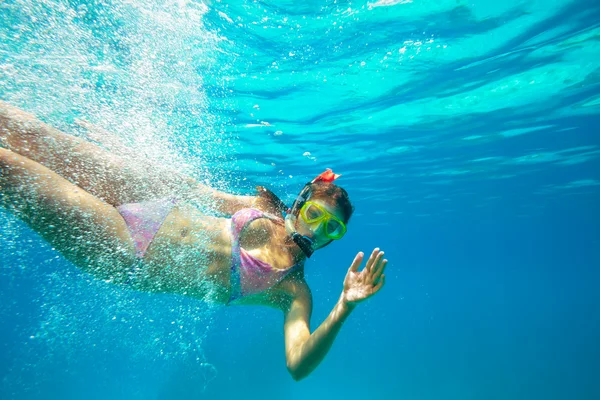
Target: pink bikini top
248,274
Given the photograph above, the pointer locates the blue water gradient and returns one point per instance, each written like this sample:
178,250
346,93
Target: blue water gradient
467,136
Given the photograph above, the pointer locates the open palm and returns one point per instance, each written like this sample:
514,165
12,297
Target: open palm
360,285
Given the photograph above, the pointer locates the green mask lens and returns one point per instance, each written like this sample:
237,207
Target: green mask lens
312,213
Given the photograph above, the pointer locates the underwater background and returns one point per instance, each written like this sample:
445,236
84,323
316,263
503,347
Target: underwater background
467,133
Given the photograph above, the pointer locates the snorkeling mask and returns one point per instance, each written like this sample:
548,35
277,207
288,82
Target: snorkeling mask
311,212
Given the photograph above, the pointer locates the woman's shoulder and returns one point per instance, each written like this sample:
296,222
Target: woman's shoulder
268,202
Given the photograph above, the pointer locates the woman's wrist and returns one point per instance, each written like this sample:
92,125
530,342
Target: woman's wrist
345,306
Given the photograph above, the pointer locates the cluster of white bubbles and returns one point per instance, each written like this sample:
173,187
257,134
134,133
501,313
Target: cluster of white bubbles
128,76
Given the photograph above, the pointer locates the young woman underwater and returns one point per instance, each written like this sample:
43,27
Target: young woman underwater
123,224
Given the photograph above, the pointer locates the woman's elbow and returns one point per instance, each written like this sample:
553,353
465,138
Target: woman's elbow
295,373
297,370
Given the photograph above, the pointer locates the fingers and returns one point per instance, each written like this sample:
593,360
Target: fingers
378,270
377,287
375,261
375,264
356,263
372,259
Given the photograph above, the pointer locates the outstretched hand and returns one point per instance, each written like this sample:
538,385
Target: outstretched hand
360,285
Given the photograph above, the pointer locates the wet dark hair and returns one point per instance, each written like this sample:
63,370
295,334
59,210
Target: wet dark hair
333,195
327,192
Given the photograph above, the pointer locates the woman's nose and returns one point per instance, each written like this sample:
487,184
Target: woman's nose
319,228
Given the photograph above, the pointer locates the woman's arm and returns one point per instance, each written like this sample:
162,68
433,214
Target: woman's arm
222,202
305,351
114,172
173,181
228,204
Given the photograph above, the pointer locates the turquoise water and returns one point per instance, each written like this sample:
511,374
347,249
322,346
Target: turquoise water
467,136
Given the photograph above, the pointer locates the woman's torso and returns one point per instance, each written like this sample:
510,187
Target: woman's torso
191,254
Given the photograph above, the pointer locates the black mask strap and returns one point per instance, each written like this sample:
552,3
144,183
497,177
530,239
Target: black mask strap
301,199
303,242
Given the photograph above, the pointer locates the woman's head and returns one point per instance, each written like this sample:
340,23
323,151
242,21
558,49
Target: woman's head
331,194
322,211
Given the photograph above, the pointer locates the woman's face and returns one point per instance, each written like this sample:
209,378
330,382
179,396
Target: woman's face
316,230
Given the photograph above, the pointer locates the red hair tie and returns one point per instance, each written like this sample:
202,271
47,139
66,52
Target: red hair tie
327,176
